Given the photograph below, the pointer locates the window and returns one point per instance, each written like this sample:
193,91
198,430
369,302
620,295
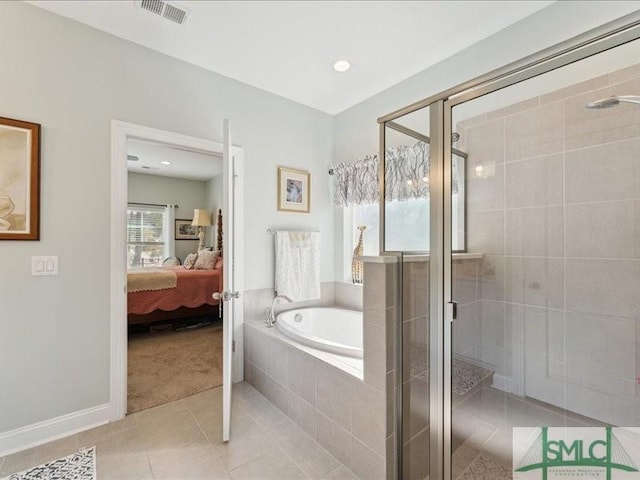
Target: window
407,221
407,226
407,206
147,232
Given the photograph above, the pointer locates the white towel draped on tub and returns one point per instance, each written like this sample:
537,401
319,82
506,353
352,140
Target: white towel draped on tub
298,265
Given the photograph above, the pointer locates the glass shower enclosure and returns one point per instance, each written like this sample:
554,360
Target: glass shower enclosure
512,208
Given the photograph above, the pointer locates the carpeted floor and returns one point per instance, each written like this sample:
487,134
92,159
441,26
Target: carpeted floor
166,365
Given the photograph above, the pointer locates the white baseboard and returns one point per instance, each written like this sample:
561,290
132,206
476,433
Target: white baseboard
502,383
42,432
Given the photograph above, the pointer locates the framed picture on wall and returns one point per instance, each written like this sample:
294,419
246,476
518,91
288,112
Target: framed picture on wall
294,190
185,231
19,180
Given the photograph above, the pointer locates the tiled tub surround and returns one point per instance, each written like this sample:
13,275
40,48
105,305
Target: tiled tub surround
257,302
340,401
556,211
333,406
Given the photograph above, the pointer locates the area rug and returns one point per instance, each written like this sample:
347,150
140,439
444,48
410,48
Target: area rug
78,466
165,365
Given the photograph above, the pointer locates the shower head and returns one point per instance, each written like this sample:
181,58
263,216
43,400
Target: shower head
613,101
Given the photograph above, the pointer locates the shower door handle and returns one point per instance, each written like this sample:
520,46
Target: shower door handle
451,311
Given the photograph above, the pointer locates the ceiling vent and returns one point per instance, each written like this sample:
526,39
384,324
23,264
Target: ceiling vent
165,10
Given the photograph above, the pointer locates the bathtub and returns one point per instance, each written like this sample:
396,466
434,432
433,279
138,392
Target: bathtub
334,330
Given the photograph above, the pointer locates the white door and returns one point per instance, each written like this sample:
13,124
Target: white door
232,310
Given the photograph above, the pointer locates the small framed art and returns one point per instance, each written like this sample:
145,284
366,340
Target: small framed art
294,190
186,231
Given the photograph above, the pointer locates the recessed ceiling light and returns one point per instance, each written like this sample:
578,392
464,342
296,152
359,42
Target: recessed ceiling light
341,66
164,162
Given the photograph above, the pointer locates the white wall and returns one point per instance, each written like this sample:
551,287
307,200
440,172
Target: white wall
187,194
74,80
213,202
356,129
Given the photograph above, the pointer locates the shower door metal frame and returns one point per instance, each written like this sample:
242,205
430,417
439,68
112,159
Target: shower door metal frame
592,42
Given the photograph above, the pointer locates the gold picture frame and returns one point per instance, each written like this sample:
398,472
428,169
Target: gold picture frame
294,190
19,180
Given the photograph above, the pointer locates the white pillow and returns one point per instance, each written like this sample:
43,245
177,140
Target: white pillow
190,261
206,260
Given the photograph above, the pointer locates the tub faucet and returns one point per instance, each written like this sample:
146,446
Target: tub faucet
271,319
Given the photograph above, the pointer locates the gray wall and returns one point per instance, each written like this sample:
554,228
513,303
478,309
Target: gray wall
187,194
356,129
74,80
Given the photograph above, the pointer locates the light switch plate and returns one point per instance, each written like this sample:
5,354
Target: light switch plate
44,265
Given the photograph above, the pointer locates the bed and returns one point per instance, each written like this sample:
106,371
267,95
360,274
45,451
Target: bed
190,295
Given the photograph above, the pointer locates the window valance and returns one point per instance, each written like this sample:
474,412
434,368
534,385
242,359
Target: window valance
406,177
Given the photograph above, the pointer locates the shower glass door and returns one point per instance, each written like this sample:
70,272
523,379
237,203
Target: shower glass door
547,290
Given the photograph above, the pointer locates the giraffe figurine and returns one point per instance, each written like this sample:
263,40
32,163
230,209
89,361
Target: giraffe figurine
356,265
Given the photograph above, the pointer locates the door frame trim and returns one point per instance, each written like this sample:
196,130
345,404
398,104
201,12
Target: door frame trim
121,132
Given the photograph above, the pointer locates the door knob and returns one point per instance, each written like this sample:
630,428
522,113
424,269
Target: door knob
225,296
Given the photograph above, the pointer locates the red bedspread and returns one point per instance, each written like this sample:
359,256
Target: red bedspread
194,288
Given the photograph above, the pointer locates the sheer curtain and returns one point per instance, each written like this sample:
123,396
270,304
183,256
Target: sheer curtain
406,177
170,231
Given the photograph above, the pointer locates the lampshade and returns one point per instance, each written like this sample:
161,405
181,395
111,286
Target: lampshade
201,218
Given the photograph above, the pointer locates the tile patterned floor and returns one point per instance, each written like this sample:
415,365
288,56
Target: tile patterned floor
181,441
482,430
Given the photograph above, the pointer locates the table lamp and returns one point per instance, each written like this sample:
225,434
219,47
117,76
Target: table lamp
201,219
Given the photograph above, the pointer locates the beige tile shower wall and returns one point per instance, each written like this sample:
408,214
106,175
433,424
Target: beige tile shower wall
416,325
555,206
415,368
379,301
466,292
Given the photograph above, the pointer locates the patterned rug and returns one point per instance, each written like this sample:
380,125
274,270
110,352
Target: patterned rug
485,468
78,466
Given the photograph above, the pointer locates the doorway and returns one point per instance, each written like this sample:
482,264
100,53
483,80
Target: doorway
174,329
122,134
